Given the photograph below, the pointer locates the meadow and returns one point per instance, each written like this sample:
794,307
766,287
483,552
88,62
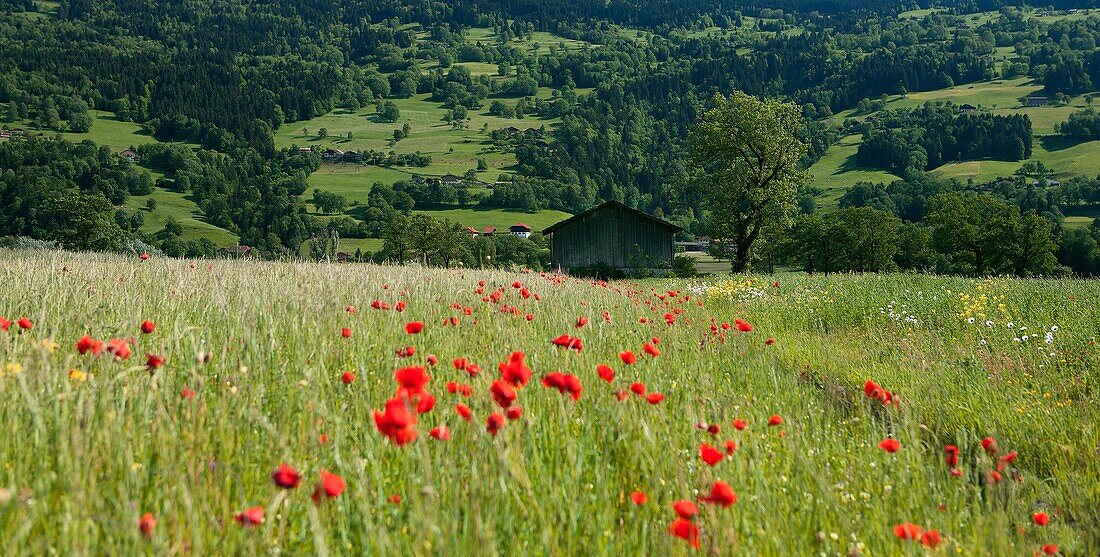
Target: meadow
758,432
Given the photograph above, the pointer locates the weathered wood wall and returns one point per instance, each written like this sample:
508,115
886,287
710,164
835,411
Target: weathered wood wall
614,236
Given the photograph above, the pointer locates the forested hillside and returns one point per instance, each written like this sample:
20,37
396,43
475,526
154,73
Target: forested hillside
279,122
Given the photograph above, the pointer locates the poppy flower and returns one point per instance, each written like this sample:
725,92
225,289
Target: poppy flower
412,378
406,352
148,327
153,361
720,494
775,420
685,530
494,423
743,326
286,477
581,322
769,342
654,398
566,341
529,317
685,509
146,524
345,332
395,499
621,394
145,257
890,445
952,458
348,378
731,446
605,372
24,323
739,424
651,350
1050,549
638,388
119,348
88,344
187,393
425,402
350,309
515,371
399,306
990,445
956,472
513,413
4,324
251,516
628,357
414,327
710,455
930,539
503,393
639,498
329,487
1040,519
907,531
396,422
463,411
442,433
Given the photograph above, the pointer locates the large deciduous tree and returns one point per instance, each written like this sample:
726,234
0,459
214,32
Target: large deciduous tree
748,153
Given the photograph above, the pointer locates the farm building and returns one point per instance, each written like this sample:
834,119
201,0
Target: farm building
520,229
612,234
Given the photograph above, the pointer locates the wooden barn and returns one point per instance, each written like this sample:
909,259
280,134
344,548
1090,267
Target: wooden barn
612,234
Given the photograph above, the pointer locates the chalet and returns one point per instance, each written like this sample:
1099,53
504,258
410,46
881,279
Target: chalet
304,150
343,257
1036,101
512,131
533,132
5,134
129,155
489,231
520,229
350,156
612,234
967,109
332,154
471,231
235,252
450,180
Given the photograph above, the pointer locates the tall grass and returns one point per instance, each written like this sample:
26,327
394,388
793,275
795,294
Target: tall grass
83,458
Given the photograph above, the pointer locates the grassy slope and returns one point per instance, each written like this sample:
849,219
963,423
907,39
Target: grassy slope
97,454
500,218
837,171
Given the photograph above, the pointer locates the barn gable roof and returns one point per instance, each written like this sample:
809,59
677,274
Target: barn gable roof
611,205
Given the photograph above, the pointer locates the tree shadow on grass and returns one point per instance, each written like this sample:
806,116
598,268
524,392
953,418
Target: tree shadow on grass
1060,143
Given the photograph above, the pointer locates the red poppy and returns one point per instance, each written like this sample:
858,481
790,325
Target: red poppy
442,433
952,458
187,393
348,378
503,393
775,420
990,445
89,344
329,487
685,530
743,326
4,324
24,323
739,424
1040,519
153,361
146,524
605,372
685,509
515,371
350,309
286,477
412,378
710,455
464,411
907,531
581,322
513,413
494,423
119,348
621,394
251,516
414,327
956,472
720,494
654,398
639,498
566,341
769,342
651,350
345,332
396,423
628,357
1050,549
529,317
930,539
638,388
890,445
399,306
731,446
